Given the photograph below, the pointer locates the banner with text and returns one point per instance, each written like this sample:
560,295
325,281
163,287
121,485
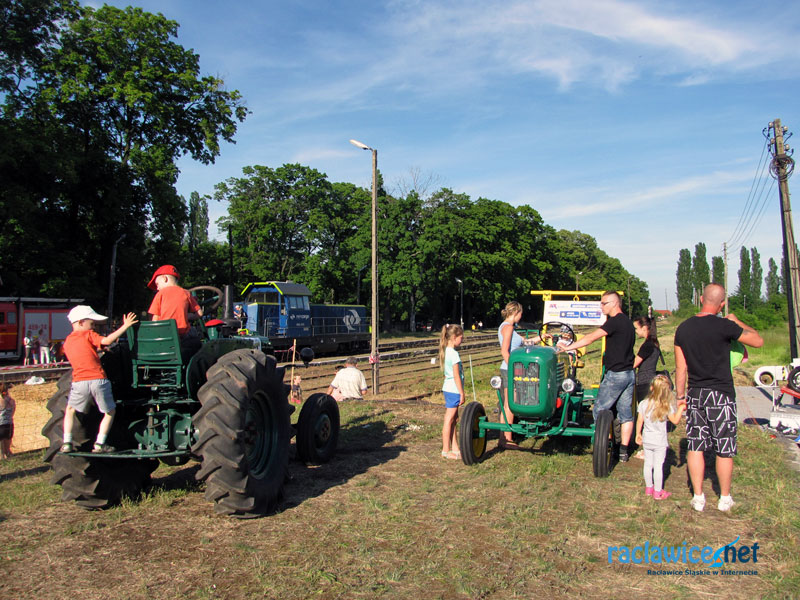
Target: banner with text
574,312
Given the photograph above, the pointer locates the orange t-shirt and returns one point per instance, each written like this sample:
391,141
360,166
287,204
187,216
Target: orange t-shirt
174,302
81,349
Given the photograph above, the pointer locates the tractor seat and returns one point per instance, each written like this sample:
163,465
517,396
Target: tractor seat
156,354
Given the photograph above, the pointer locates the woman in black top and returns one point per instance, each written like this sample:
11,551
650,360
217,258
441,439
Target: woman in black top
646,357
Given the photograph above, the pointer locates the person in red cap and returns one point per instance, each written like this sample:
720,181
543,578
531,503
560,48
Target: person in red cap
172,301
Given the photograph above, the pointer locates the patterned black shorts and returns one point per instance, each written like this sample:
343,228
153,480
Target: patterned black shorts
711,421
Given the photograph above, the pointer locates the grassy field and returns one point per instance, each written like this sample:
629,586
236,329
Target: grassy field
387,517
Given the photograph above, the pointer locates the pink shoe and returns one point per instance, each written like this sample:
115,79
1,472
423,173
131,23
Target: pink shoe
648,491
662,495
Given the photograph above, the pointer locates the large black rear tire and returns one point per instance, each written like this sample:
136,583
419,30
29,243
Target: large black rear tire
318,429
471,445
93,483
603,449
243,433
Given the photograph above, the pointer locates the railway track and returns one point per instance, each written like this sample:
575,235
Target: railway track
399,360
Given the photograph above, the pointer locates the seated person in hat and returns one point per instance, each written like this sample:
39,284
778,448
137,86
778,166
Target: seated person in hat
174,302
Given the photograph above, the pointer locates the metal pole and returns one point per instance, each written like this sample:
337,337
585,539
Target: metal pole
779,163
374,343
112,275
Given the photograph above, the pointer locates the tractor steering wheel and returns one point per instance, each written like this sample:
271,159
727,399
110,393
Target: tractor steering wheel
209,300
556,336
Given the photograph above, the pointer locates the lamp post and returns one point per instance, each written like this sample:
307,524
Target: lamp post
373,358
113,275
577,275
461,290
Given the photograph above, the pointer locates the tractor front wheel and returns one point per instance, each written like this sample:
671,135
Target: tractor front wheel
603,449
470,442
243,430
318,429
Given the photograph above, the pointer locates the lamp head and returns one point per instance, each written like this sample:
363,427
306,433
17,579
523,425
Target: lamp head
358,144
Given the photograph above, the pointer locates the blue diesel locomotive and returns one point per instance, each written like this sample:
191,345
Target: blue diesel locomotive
282,312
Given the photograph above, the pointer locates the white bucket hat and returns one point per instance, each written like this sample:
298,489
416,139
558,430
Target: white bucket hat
84,311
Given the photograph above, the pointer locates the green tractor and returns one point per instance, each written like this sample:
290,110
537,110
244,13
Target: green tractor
547,399
226,405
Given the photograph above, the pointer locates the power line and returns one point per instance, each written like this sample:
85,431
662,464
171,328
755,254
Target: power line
757,219
759,174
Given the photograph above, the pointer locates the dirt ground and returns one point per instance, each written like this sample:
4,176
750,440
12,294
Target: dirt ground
387,517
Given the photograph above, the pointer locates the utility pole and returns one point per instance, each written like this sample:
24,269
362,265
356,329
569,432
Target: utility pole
781,168
725,276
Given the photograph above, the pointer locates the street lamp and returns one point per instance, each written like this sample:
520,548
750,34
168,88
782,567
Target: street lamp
373,358
578,274
113,275
461,289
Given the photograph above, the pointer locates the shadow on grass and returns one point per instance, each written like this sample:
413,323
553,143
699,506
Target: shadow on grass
710,461
364,442
24,473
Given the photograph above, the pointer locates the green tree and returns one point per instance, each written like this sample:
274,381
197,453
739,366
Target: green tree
717,270
745,287
683,277
756,274
102,104
772,281
197,226
700,272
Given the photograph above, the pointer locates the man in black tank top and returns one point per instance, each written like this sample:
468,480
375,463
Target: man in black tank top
702,352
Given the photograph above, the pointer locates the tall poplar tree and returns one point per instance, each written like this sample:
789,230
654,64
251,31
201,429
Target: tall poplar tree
756,274
745,287
700,271
683,278
718,270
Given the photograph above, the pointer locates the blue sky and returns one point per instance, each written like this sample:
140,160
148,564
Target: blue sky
637,122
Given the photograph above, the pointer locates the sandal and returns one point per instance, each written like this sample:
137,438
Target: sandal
452,454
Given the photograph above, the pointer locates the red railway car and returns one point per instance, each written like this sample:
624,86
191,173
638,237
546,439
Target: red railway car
19,315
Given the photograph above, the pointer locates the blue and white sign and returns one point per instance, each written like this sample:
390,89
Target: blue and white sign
574,312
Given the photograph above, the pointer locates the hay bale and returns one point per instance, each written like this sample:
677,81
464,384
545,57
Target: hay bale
31,415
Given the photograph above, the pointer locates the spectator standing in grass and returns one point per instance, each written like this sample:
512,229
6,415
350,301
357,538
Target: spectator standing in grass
452,388
28,343
702,354
651,433
617,385
44,347
7,408
509,340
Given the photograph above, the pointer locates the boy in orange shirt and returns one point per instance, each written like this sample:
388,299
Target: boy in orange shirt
172,301
89,381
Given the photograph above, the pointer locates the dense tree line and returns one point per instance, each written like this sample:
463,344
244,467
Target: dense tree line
97,106
746,298
292,223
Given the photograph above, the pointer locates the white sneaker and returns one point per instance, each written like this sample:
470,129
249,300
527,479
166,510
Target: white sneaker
699,502
725,503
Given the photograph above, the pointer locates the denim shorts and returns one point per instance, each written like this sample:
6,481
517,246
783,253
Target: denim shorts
82,393
616,388
451,399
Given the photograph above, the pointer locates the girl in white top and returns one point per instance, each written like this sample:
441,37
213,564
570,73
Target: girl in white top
452,388
651,433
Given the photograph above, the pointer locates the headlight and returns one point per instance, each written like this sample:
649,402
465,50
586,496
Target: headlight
496,382
568,385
